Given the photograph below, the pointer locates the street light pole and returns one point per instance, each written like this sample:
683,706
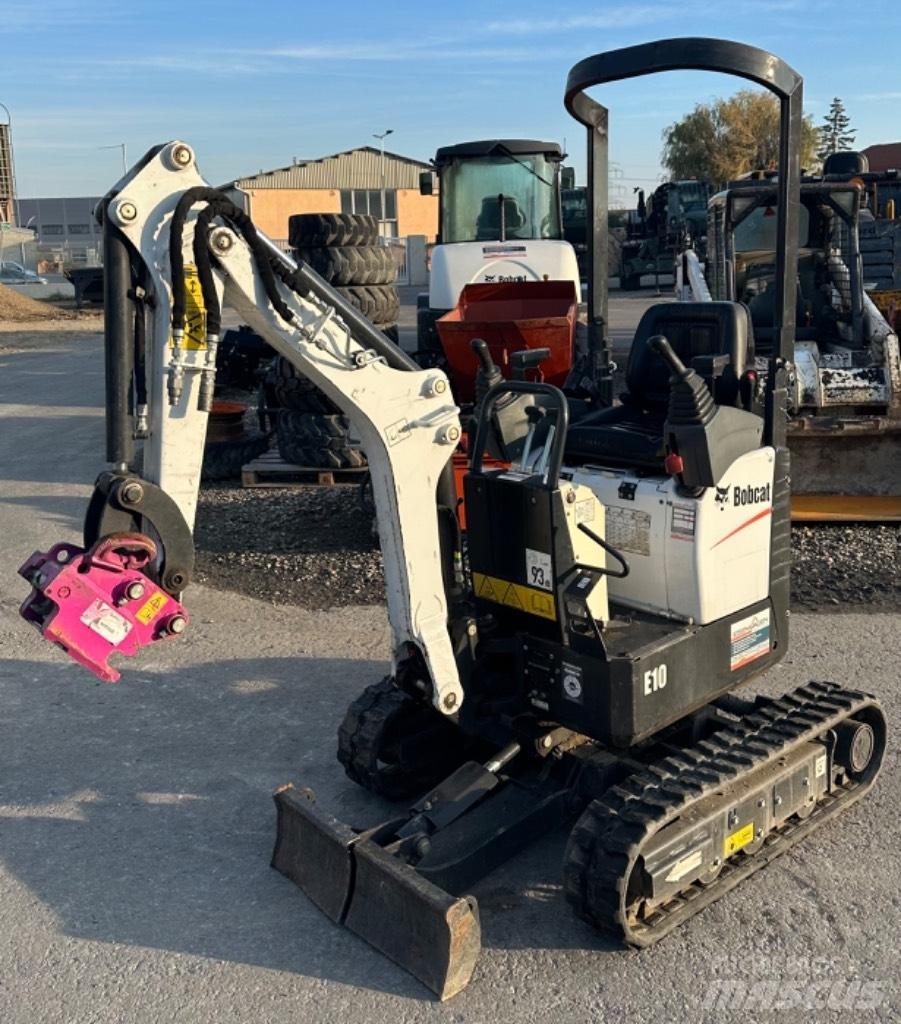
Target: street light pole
124,147
381,136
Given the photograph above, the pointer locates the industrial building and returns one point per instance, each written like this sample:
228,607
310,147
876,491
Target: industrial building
349,182
66,229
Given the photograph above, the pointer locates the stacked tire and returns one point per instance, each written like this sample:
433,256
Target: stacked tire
311,430
343,249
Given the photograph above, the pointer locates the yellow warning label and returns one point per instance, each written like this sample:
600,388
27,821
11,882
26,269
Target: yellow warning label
734,842
151,608
515,595
195,311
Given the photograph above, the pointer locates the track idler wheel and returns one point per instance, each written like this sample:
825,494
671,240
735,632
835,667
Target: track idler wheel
395,746
855,744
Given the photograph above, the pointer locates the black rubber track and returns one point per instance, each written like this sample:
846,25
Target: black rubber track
395,746
315,229
608,838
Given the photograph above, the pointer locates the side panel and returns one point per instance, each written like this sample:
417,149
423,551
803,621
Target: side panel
461,263
691,559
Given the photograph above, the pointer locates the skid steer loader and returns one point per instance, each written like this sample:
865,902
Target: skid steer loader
845,383
621,578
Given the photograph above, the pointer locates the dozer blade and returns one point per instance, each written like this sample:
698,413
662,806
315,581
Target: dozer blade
433,935
846,471
845,508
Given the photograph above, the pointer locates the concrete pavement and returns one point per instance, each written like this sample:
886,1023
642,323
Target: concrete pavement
136,820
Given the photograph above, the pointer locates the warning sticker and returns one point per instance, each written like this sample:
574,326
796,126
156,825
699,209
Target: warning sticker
538,569
684,521
734,842
750,639
628,530
195,311
514,595
106,621
151,608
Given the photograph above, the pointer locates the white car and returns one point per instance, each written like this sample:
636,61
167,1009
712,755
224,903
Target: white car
15,273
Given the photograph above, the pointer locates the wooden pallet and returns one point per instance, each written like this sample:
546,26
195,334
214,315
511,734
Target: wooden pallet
270,470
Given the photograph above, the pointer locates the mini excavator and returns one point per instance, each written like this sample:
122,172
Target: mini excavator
572,659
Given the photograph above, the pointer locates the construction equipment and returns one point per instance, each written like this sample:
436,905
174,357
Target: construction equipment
880,228
499,221
672,219
622,576
845,378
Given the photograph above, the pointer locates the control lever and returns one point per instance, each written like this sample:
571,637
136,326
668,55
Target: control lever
526,359
662,347
488,373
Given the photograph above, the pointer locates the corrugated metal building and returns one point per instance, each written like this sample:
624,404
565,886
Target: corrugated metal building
351,182
67,231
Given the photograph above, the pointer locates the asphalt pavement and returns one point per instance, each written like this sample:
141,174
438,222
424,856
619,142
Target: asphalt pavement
136,820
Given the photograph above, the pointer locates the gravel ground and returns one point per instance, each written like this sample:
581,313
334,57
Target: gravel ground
313,547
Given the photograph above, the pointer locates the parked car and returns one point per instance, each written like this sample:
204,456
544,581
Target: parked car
15,273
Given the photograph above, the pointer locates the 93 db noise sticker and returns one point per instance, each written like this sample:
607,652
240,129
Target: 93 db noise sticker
539,572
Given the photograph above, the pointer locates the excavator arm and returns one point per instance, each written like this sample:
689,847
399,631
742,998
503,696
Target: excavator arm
177,253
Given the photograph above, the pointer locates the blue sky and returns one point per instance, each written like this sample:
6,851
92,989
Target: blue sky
253,85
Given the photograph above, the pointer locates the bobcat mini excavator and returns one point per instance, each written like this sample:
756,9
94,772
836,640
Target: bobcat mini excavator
575,662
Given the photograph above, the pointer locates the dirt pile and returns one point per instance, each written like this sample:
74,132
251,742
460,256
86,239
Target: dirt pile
22,309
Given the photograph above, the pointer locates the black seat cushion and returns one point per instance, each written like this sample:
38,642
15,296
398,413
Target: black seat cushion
631,434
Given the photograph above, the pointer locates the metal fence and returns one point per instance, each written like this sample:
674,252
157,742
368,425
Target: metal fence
18,247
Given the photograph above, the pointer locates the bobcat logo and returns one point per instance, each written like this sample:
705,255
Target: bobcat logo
722,496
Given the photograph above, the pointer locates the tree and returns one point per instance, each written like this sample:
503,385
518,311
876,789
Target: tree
835,133
719,141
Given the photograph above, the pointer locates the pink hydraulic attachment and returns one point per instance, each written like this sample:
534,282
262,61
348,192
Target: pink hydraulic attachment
99,602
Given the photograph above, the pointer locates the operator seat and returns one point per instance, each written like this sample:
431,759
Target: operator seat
488,224
631,434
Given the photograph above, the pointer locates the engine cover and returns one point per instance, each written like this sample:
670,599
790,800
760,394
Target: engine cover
695,559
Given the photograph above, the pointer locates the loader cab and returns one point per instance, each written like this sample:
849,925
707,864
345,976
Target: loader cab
499,222
742,251
499,190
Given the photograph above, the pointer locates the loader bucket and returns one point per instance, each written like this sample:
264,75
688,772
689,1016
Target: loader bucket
846,470
432,934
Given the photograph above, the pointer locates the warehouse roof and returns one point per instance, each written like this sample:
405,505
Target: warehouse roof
884,157
354,168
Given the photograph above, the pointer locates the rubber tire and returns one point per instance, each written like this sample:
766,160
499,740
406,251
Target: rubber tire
321,442
314,229
223,460
347,265
379,303
630,283
296,393
391,332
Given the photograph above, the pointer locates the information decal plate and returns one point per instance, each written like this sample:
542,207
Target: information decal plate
750,639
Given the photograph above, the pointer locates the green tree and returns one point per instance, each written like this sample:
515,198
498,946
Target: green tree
835,133
720,141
